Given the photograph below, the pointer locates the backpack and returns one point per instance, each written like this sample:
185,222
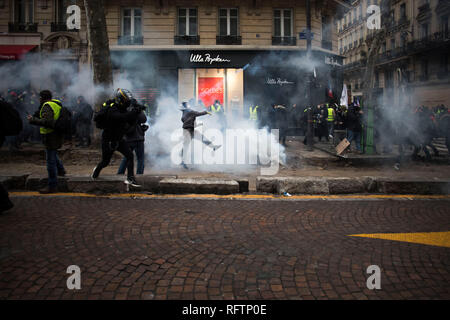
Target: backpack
64,122
101,116
11,123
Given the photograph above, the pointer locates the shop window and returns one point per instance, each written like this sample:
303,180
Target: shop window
60,22
131,27
283,27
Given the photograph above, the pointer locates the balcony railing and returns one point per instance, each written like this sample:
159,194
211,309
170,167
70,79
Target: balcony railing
187,40
229,40
130,40
60,27
22,27
327,44
284,41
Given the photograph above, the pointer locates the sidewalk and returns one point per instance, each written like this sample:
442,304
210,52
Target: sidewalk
315,172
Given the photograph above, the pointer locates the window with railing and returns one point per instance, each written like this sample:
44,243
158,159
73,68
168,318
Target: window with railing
424,31
23,17
131,27
444,26
187,31
326,33
283,27
228,26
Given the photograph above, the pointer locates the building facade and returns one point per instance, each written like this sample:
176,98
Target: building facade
412,66
239,52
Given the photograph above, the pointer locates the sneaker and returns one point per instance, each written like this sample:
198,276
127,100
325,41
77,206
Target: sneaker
184,166
95,173
48,190
216,147
132,181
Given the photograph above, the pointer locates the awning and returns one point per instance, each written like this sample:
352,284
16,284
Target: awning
14,52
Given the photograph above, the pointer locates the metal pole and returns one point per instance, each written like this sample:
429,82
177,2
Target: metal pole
309,133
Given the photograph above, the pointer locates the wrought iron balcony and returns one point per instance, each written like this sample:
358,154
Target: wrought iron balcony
187,40
229,40
22,27
284,41
130,40
59,27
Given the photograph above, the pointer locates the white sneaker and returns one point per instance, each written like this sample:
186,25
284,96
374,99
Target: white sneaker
132,182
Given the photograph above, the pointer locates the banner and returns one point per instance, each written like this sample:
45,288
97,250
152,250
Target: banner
210,89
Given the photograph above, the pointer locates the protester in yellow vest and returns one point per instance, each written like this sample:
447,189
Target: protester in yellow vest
217,109
46,116
330,120
253,113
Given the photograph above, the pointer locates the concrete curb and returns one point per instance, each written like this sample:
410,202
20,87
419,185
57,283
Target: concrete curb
317,185
264,184
115,184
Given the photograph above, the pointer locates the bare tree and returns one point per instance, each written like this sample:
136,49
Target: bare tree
374,42
98,42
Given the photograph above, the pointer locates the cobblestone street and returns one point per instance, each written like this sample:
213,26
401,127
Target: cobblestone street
220,249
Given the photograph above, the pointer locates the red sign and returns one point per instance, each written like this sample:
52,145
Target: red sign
210,89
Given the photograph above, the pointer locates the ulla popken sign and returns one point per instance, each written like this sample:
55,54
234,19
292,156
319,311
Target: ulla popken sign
278,81
207,58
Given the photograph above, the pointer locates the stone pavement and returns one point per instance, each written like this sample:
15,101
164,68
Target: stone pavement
220,249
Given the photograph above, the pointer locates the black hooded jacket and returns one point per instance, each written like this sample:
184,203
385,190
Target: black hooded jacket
119,122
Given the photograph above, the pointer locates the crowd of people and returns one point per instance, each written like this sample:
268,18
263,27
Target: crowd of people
127,123
28,103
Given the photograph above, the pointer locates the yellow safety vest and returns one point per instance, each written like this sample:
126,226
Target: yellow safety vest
56,111
330,115
253,113
213,108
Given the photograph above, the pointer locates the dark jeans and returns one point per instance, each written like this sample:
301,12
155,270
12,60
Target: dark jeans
353,135
54,165
108,148
138,148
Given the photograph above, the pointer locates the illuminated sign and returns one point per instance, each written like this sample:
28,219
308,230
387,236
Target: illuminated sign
207,58
210,89
280,82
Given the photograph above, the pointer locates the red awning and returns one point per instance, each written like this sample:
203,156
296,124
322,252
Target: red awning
14,52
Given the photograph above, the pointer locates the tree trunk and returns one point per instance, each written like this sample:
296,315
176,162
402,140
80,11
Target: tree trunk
98,42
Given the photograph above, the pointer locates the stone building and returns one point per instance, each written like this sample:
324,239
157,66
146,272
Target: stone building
412,66
240,52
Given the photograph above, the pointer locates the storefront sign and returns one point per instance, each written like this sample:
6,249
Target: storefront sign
210,89
278,81
332,61
207,58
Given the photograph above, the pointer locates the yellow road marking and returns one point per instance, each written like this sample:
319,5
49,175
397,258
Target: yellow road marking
440,239
234,196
